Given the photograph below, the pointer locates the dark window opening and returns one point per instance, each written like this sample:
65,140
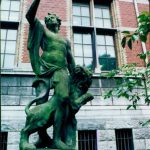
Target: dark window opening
3,140
87,140
124,139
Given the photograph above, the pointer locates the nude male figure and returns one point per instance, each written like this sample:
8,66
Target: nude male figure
55,63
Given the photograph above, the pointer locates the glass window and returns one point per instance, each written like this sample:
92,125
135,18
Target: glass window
83,48
92,47
85,21
106,13
106,50
8,47
85,11
10,10
5,5
98,13
81,15
76,11
87,50
15,5
79,61
102,17
78,50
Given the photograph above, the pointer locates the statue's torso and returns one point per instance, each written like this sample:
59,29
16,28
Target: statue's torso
54,49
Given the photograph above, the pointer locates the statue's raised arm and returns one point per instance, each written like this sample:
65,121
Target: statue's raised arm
35,36
30,15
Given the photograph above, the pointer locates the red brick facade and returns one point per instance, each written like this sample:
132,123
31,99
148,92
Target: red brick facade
129,20
57,7
127,17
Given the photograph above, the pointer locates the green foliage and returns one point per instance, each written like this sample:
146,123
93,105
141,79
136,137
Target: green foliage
134,84
140,34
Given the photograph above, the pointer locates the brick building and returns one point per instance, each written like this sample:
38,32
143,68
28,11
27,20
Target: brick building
94,28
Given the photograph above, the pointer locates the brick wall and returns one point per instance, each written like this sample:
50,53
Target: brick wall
129,20
58,7
127,14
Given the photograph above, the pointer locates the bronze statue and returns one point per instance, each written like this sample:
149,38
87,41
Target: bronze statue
51,69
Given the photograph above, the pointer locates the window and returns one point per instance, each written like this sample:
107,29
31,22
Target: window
83,49
102,16
3,140
124,139
81,15
94,35
106,52
10,10
8,47
87,140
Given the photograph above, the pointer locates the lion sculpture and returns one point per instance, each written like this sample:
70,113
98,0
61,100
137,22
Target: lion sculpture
43,116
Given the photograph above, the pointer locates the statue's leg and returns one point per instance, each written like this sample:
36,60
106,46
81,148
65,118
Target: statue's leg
24,139
44,139
69,134
42,86
59,125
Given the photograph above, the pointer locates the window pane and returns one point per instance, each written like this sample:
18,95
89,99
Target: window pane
85,21
15,5
4,15
77,38
98,12
77,21
101,51
78,50
10,47
109,40
87,50
14,16
103,63
85,11
2,59
3,34
111,51
87,39
2,46
100,40
12,34
98,23
5,4
76,10
79,61
88,62
9,61
111,63
107,23
106,13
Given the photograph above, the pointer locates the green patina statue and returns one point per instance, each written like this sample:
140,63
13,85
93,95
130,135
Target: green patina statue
56,69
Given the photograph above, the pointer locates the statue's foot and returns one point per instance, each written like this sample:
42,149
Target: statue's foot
42,143
27,146
61,145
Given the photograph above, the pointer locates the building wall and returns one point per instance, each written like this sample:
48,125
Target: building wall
102,115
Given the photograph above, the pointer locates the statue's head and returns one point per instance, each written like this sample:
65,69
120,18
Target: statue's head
82,77
53,22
